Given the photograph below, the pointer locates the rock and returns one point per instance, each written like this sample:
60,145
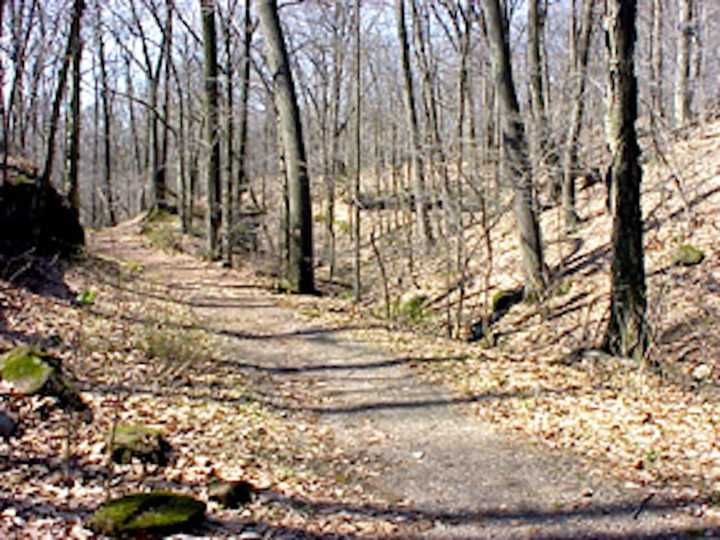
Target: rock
8,427
687,255
33,371
702,372
230,494
56,229
145,444
145,514
27,369
503,300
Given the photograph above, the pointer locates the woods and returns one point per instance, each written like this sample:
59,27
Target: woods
239,237
455,107
424,117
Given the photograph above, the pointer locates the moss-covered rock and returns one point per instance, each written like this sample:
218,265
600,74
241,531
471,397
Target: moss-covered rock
230,494
145,444
141,514
33,371
27,369
687,255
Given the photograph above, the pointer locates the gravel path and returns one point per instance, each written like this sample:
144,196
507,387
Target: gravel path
468,479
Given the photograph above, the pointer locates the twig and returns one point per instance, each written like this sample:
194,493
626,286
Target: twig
643,505
383,272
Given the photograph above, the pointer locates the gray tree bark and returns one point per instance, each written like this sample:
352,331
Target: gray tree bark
423,219
626,333
73,149
682,76
107,115
212,132
43,181
537,97
573,134
656,62
300,248
516,148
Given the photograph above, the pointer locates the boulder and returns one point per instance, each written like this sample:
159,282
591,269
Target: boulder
687,255
8,427
32,371
503,300
230,494
54,229
147,514
145,444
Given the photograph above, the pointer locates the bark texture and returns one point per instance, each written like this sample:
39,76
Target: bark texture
212,133
573,134
423,219
626,333
516,148
682,77
300,248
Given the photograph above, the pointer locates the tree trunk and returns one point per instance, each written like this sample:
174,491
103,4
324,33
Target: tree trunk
300,250
3,112
571,142
537,98
229,186
682,77
137,153
107,115
515,146
657,59
43,181
73,152
212,134
358,161
423,219
626,333
698,59
164,145
245,88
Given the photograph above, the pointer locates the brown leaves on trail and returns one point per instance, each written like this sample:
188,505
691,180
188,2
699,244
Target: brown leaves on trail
140,358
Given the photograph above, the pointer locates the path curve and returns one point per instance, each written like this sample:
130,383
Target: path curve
461,475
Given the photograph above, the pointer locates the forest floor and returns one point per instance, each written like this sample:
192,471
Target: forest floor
335,420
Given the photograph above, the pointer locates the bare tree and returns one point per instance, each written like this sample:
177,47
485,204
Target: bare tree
423,219
73,128
300,271
656,59
72,45
515,144
212,133
682,76
626,333
107,112
578,108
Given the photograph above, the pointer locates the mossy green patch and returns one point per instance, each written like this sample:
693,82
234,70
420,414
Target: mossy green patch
157,512
26,369
412,307
136,441
687,255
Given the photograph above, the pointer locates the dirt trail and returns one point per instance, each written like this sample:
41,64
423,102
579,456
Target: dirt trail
469,480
